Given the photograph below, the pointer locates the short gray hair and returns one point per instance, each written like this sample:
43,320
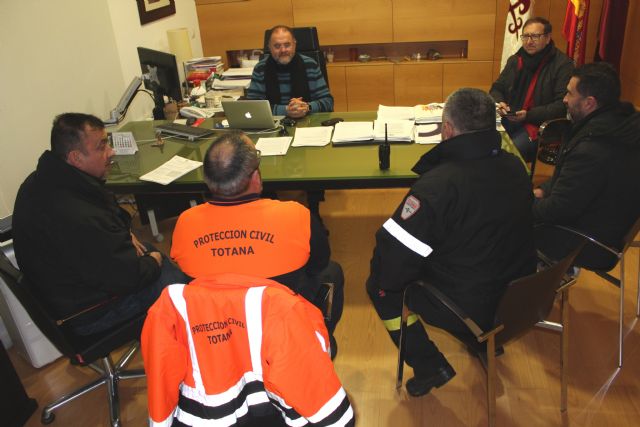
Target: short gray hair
470,110
228,164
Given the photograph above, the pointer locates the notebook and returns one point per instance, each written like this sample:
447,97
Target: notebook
248,114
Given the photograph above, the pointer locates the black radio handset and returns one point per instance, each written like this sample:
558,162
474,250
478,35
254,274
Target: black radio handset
384,151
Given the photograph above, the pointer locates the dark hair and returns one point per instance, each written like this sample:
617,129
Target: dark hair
67,132
470,110
539,20
281,28
229,163
600,80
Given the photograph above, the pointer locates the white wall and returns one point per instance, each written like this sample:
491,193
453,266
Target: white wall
69,55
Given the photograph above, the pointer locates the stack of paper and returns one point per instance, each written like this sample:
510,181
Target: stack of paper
395,113
171,170
429,113
237,73
274,146
318,136
353,131
231,84
397,130
428,133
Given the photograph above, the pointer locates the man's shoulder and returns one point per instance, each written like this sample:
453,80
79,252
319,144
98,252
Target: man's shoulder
308,61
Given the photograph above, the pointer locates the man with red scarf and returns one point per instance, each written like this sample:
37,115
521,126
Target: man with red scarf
531,86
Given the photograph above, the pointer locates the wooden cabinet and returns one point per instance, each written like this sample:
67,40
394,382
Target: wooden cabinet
338,87
346,21
418,83
476,74
369,85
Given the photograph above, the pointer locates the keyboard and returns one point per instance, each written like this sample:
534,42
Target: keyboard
124,144
189,132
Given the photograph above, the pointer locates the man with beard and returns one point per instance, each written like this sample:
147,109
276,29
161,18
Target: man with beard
530,88
293,83
595,186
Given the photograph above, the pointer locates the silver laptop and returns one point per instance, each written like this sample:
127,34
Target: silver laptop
248,114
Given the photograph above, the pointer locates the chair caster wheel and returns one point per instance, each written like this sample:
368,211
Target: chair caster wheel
44,419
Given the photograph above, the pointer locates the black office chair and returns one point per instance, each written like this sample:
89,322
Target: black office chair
81,350
307,44
548,141
618,257
526,303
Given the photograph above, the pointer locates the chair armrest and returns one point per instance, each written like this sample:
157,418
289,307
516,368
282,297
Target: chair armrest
579,233
550,131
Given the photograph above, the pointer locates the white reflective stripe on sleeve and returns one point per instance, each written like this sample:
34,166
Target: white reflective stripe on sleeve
165,423
407,239
329,408
177,297
253,311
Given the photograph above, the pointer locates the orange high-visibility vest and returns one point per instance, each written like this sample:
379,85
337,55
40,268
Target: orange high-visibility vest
263,238
224,348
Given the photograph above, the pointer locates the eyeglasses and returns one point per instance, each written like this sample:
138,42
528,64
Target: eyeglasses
534,37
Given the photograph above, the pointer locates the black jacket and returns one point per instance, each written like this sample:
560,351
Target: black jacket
595,187
471,207
73,241
550,87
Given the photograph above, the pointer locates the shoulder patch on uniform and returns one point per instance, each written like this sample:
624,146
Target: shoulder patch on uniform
411,206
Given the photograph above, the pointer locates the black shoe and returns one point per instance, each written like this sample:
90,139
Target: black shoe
419,385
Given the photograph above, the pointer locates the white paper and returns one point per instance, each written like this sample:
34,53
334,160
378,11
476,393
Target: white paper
317,136
171,170
231,84
238,72
429,113
353,131
395,113
428,133
397,130
274,146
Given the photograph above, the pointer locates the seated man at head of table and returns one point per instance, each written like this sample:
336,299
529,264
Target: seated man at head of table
74,242
240,232
293,83
595,187
531,86
465,227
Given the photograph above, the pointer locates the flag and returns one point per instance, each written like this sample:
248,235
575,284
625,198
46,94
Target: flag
575,29
517,14
611,31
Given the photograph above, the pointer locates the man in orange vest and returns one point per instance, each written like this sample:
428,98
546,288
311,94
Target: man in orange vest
240,232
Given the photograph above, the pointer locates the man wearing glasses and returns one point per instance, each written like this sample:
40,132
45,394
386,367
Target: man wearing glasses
531,86
237,231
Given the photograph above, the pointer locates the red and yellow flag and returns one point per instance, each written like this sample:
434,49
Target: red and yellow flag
575,29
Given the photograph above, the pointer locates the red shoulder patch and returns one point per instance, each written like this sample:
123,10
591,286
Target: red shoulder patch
411,206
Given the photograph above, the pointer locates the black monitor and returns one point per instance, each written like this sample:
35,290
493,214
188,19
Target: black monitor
160,75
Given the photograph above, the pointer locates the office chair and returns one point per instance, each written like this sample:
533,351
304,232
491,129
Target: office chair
526,303
628,242
307,44
548,141
92,351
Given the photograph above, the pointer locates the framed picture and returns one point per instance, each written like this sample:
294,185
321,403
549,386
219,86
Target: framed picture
152,10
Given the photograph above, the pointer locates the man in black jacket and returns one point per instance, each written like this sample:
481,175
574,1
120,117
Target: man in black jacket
465,226
595,187
530,88
72,240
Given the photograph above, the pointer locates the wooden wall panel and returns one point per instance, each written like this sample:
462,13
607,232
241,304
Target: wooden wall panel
470,74
418,83
436,20
630,62
239,25
346,21
338,86
369,85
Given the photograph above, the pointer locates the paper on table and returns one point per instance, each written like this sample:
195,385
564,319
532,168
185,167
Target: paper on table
230,84
429,113
171,170
317,136
237,72
395,113
353,131
274,146
428,134
397,130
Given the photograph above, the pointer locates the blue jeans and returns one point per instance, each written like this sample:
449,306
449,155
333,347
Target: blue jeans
132,305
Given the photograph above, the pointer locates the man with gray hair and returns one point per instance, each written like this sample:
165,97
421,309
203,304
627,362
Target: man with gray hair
465,227
237,231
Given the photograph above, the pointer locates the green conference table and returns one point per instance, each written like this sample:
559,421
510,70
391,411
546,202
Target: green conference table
303,168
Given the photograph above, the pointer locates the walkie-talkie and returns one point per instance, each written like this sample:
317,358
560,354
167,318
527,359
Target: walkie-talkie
384,151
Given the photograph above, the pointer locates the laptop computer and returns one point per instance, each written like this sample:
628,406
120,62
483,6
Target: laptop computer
248,114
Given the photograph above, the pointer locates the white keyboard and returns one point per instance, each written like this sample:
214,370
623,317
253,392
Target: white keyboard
124,143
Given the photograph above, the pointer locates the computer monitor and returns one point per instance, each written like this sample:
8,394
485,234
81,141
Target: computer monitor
160,75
